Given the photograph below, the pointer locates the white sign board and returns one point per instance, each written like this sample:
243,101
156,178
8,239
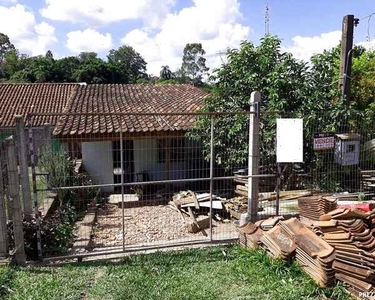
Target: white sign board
289,134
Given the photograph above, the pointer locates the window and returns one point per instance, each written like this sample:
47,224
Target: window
175,148
350,148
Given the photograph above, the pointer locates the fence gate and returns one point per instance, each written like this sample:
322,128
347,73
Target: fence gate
137,181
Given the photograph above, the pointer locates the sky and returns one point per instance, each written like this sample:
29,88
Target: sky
159,29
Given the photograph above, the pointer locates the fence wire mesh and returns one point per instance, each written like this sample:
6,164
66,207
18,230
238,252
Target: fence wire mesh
102,185
126,189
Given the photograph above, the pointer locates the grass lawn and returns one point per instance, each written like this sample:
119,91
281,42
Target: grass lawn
192,274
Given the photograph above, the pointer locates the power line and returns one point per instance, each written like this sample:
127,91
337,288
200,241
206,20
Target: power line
368,37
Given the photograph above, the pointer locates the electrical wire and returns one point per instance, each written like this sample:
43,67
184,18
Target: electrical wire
368,25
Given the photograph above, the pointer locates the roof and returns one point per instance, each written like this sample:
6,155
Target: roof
129,98
26,98
348,136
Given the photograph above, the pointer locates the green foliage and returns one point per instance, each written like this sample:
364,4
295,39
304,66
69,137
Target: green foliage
124,65
282,81
6,279
5,47
127,64
363,79
166,73
59,167
58,230
289,86
193,66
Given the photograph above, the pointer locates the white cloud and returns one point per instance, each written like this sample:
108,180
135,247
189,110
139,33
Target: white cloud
107,11
304,47
369,45
20,25
214,23
88,40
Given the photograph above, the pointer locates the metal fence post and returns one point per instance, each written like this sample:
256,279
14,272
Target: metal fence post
122,187
278,182
3,217
35,193
24,165
14,193
212,159
253,161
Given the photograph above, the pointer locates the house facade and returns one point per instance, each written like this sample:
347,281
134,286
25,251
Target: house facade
154,146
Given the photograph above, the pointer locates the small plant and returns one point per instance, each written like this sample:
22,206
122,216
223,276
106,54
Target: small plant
60,169
361,196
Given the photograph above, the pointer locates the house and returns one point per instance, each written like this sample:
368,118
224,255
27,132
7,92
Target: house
25,98
154,147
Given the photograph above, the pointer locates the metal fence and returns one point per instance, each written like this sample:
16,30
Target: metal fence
130,190
110,183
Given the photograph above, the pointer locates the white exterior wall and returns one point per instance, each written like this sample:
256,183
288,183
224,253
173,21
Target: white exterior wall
146,159
97,158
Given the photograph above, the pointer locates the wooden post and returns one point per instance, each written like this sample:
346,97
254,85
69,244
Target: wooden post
3,217
345,59
14,195
24,165
253,161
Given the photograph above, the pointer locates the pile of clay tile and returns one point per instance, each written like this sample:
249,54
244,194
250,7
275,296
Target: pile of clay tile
315,206
351,233
289,239
314,254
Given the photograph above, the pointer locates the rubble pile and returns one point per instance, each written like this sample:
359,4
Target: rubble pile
196,208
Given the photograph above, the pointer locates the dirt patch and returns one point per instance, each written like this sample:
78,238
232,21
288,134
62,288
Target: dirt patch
146,224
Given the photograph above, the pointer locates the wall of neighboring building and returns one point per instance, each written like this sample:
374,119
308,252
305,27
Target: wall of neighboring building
97,159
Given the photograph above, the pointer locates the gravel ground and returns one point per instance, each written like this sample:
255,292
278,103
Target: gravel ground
145,224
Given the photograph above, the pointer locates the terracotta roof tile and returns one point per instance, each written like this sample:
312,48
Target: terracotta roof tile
26,98
147,98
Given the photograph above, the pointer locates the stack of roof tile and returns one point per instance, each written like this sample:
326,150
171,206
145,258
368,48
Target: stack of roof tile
350,233
250,234
314,206
279,244
314,254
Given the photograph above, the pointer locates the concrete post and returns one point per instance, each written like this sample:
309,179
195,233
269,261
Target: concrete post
24,165
3,217
253,161
14,195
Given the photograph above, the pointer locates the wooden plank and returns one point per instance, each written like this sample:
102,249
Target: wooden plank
14,197
195,200
24,165
196,225
3,217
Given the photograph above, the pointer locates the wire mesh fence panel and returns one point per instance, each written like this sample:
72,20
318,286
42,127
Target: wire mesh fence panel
338,158
127,181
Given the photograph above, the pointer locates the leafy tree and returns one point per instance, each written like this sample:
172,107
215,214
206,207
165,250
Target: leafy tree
193,63
282,81
5,47
127,65
166,73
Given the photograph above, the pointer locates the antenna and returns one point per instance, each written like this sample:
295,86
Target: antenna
267,20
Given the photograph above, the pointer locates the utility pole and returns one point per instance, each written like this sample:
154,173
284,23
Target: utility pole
348,24
267,20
